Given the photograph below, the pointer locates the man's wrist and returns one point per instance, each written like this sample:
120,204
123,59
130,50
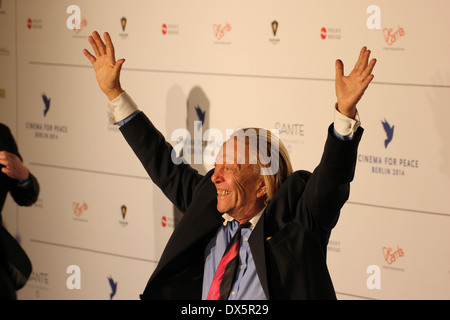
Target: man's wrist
24,182
348,112
113,94
345,126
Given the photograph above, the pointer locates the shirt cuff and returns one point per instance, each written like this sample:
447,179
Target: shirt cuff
23,183
121,107
345,126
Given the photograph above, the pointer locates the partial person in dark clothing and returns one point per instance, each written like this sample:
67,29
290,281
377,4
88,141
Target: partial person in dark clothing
16,179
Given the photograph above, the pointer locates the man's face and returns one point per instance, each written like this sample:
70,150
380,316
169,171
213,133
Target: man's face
240,187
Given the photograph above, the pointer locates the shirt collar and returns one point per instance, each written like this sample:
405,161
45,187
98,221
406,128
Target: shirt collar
253,221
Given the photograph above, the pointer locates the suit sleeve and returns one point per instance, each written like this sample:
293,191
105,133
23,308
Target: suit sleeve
177,181
328,187
23,195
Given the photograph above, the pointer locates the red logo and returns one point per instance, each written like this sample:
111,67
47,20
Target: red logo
29,23
323,33
78,208
164,221
220,31
164,29
390,255
391,36
81,26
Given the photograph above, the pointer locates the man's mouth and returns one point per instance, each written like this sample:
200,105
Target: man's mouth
221,192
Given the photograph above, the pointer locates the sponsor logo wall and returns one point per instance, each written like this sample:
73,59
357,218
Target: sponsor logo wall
196,65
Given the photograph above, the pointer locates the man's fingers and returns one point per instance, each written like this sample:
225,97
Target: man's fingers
339,69
118,65
369,69
5,158
365,61
366,81
89,56
109,47
94,46
360,60
98,41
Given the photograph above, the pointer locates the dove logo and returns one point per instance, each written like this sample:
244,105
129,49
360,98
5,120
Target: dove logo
46,103
389,132
201,116
113,286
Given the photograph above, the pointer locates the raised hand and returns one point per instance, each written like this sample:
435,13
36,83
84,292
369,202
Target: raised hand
12,166
349,89
107,69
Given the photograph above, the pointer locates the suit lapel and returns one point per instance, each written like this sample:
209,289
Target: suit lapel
200,220
257,245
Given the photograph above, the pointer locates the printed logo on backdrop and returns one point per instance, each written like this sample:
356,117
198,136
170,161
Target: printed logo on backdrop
113,287
39,281
75,22
79,209
46,101
393,38
34,23
123,214
387,162
392,256
330,33
221,33
123,24
46,129
167,222
170,29
389,132
291,134
334,246
79,33
274,28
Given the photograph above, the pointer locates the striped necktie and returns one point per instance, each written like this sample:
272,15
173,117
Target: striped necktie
226,271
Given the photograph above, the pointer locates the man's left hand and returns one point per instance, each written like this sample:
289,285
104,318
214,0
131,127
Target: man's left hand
13,166
349,89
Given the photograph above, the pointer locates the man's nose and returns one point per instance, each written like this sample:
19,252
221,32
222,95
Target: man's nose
217,176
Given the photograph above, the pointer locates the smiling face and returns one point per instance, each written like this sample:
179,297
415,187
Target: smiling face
240,187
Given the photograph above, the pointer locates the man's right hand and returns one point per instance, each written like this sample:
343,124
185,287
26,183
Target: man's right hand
107,69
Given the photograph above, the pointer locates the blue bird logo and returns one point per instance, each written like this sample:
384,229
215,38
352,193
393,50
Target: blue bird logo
200,115
46,103
113,286
389,132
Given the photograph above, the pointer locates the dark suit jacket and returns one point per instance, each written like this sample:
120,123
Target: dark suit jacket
288,244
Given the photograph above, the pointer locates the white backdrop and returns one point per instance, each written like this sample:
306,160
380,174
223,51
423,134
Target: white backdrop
223,57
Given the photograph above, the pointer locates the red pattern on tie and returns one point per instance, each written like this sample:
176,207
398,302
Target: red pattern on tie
227,268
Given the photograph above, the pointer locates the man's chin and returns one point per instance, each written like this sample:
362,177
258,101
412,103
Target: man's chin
221,209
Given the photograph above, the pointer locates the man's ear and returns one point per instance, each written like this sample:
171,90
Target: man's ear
262,191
